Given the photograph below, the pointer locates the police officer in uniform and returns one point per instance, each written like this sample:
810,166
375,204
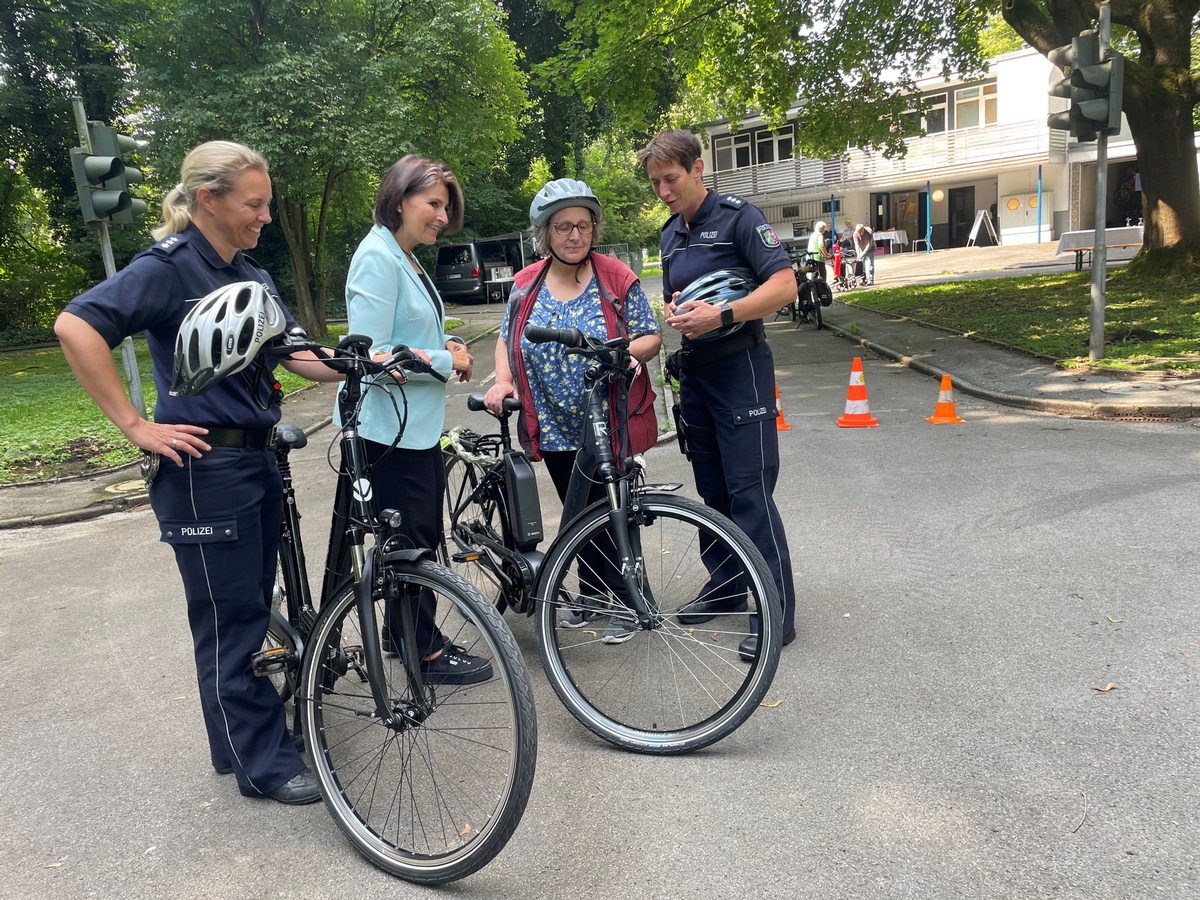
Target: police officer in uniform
218,495
727,383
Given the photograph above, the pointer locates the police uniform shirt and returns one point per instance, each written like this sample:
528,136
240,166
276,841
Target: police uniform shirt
727,232
153,294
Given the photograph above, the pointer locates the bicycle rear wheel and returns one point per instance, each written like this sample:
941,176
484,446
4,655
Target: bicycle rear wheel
669,687
434,797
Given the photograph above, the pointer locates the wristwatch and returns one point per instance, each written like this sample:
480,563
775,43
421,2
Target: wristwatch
726,314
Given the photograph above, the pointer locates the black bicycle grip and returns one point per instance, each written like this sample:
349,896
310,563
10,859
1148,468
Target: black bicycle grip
540,334
404,358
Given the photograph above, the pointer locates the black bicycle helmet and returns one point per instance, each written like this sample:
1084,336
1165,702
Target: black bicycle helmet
721,286
222,334
561,193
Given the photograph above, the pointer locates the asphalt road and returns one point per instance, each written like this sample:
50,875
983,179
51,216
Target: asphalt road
965,593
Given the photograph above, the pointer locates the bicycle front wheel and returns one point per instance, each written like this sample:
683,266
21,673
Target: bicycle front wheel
664,686
436,794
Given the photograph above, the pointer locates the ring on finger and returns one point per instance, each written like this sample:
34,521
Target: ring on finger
174,443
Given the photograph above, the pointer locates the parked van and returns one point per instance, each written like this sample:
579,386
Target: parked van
483,269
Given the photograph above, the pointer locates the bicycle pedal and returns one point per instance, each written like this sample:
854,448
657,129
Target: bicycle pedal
466,556
273,661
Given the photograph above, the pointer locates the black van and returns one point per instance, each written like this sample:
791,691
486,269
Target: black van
482,269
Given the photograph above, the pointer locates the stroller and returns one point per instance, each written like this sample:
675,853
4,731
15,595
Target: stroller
847,271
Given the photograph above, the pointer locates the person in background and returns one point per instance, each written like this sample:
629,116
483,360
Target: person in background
219,500
817,252
727,383
391,298
864,250
573,287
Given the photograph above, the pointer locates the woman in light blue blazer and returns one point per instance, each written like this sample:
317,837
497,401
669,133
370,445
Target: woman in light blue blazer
391,298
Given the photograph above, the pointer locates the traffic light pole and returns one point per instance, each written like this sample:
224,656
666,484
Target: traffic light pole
1099,248
132,376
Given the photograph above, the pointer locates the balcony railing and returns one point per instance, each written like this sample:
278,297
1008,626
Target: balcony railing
967,150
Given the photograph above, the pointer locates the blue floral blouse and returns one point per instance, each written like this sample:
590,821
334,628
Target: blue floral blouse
555,379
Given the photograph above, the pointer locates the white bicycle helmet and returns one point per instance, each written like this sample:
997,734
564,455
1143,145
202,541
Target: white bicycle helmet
556,195
721,286
222,334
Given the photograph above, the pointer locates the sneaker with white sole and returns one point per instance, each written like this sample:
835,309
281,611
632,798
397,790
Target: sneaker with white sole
455,666
577,618
620,628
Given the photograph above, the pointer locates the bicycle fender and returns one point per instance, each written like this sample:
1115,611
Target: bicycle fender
408,555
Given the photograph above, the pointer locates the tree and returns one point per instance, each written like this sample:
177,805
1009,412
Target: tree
1161,95
328,92
764,54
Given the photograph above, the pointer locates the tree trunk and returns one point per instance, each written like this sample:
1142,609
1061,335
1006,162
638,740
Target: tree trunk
1161,124
293,220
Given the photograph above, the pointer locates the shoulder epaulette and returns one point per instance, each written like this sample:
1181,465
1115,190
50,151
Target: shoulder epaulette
732,200
671,219
170,243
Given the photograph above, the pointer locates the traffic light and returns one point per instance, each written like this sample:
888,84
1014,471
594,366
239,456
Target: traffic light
102,178
1093,85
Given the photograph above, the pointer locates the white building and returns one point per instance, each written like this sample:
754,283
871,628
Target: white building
986,148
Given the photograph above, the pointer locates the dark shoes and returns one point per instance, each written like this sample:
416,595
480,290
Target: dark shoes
299,790
455,666
223,770
699,611
749,647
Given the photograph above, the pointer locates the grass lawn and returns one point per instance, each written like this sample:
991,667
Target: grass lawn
1150,324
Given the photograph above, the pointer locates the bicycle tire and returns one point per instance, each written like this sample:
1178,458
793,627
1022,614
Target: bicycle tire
477,524
435,800
672,688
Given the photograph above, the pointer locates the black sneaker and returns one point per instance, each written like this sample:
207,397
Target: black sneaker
699,611
455,666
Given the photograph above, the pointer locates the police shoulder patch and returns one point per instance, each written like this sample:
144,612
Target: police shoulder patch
768,236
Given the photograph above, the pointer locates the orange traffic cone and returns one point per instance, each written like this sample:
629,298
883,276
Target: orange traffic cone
943,413
781,424
858,413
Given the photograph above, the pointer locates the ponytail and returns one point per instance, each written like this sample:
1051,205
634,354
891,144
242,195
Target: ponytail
175,213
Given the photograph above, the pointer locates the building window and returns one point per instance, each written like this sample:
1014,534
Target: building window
935,114
745,149
792,211
975,106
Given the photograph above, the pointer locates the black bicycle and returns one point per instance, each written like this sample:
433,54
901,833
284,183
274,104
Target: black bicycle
428,780
607,594
812,294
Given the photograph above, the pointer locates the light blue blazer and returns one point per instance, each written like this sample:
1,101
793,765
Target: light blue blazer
386,300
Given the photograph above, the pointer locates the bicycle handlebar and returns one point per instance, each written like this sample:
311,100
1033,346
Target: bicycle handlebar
611,355
354,350
540,334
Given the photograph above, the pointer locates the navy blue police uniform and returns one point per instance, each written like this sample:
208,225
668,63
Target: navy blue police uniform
220,513
727,384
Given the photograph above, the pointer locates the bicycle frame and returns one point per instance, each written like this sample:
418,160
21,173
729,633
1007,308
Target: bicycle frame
367,569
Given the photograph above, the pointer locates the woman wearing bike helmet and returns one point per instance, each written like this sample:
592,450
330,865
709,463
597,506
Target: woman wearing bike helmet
219,503
390,297
572,287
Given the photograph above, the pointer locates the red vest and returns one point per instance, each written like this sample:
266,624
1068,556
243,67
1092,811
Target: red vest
615,279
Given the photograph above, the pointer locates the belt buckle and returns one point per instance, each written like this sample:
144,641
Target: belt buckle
270,440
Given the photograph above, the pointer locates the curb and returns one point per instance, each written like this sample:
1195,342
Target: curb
1073,409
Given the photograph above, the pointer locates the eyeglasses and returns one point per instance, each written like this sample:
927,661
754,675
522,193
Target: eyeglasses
565,228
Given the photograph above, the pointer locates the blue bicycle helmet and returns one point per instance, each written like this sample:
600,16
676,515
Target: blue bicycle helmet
721,286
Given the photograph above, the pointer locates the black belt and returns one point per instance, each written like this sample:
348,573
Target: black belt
250,438
704,354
